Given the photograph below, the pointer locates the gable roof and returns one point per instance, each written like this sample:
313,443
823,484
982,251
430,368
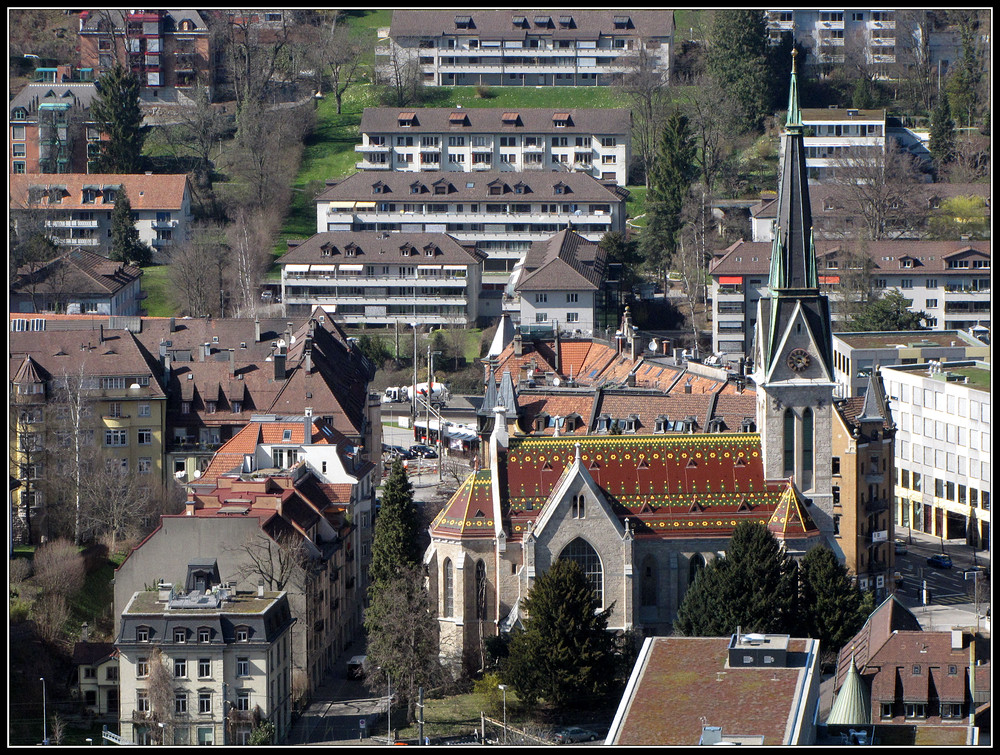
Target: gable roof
146,191
565,262
76,271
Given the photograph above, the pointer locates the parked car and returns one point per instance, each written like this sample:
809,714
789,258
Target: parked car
424,452
900,547
574,734
939,560
398,452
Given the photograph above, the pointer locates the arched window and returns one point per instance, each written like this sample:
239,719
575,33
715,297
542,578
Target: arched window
579,507
807,449
789,445
583,554
480,590
449,588
695,564
649,581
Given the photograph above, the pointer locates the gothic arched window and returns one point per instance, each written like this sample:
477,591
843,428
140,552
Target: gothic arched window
789,443
583,554
649,581
449,588
480,590
695,564
807,448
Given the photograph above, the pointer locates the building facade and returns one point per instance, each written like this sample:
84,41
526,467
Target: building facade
49,128
377,278
203,664
78,282
943,412
501,214
75,209
598,142
524,47
947,280
835,137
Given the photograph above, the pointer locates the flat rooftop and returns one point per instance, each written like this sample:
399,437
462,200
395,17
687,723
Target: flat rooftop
147,602
909,339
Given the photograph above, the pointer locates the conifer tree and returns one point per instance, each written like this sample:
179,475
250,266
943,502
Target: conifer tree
942,141
126,246
116,111
394,546
565,653
738,60
833,608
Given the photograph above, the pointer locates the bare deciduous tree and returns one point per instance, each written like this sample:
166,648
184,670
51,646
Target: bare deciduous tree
330,45
250,241
882,187
645,89
198,270
277,561
400,75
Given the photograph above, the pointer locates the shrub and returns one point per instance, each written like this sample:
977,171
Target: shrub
20,570
50,613
484,92
490,695
20,610
59,568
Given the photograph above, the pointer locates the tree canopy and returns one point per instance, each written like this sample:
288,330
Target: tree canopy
126,246
116,111
564,652
942,141
394,546
738,59
753,586
832,608
887,312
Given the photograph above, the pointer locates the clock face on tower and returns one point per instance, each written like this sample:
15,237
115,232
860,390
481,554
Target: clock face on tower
798,359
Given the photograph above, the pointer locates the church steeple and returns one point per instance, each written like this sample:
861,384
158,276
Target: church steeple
793,254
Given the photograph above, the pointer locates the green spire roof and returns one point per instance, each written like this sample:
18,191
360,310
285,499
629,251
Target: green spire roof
794,119
851,706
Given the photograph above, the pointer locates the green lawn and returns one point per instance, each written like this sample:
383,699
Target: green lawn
156,284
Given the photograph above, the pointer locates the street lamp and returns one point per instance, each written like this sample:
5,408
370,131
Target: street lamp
388,693
503,688
45,728
89,741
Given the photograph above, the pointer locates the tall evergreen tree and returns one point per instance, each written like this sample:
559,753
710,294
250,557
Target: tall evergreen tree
754,586
673,171
126,246
833,609
565,651
942,141
116,111
891,311
394,546
738,59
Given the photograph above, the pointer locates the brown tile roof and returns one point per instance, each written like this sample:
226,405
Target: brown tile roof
77,271
145,191
499,24
499,121
686,683
888,617
475,187
369,247
565,262
559,405
621,404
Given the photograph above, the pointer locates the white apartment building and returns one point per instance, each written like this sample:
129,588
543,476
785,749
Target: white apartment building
948,280
225,660
379,278
855,355
524,47
594,141
835,135
943,415
75,208
501,214
884,37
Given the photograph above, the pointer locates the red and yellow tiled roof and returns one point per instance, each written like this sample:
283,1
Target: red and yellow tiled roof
469,513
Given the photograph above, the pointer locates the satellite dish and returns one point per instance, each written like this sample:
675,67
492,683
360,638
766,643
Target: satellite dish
556,382
281,343
653,345
197,474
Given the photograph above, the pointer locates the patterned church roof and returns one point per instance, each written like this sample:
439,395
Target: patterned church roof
666,485
790,519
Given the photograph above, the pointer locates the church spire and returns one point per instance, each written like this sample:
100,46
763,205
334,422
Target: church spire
793,255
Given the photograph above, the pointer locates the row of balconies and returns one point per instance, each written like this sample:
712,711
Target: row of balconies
599,216
71,223
353,279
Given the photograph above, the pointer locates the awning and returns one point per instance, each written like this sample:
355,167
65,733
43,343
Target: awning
341,205
428,267
829,279
728,280
364,205
351,268
297,268
454,267
323,268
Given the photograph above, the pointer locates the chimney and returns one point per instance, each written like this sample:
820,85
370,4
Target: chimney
279,365
256,330
307,424
166,370
85,632
232,363
100,333
558,363
307,351
518,345
260,588
956,638
205,350
173,324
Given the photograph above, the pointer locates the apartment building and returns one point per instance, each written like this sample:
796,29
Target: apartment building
499,213
943,415
203,664
878,38
169,50
863,473
855,355
833,136
524,47
77,282
560,284
948,280
49,128
594,141
380,278
79,397
75,208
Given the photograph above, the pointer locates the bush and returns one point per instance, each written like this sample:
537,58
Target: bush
59,568
50,613
20,610
490,695
484,92
20,570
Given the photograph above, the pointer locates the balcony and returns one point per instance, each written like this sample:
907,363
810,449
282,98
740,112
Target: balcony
77,242
366,165
378,148
162,243
71,223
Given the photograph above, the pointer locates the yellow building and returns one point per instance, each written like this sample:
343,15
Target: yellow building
80,398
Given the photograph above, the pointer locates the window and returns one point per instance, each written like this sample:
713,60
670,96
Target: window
449,588
180,668
116,437
185,407
141,701
931,303
541,298
915,710
204,702
242,634
180,703
243,699
143,410
204,668
115,409
204,634
579,507
180,635
142,634
242,667
886,710
144,436
583,554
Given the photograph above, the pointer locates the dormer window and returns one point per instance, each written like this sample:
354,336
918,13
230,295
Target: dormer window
327,249
603,423
520,22
566,22
351,250
561,120
632,423
463,22
430,250
142,634
407,119
243,634
286,435
660,425
544,22
623,22
180,636
559,188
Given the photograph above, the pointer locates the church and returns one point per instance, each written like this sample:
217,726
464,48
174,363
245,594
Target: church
642,513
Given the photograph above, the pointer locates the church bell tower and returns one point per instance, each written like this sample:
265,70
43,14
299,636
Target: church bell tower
793,347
